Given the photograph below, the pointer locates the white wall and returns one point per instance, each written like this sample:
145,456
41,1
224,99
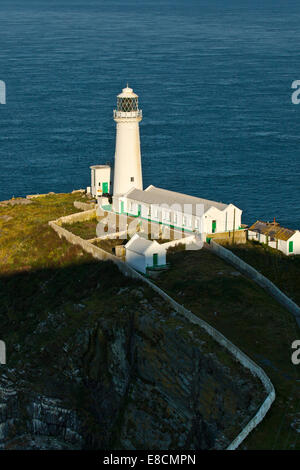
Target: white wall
202,223
98,177
127,156
296,242
136,260
226,220
281,245
161,252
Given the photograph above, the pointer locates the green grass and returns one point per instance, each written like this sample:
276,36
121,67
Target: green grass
253,321
52,294
86,229
26,240
283,270
46,281
110,244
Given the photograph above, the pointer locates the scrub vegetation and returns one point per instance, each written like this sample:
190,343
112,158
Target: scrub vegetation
252,320
26,240
107,347
86,229
283,270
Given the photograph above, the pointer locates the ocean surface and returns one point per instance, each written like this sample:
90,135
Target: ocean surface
214,80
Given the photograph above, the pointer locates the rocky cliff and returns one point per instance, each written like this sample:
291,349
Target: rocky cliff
106,363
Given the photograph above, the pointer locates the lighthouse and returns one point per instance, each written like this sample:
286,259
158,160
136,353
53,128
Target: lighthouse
128,167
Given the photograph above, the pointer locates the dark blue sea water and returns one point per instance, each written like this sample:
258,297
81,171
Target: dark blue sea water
214,79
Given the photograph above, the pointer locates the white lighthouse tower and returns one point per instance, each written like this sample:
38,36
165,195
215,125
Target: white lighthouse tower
128,167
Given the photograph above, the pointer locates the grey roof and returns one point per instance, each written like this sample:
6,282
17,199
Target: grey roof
272,229
99,166
139,244
154,195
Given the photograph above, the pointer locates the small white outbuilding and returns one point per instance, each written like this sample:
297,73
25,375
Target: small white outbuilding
100,180
275,236
142,253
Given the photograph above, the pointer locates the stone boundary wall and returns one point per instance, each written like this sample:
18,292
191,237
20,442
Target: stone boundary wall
95,251
110,236
238,236
184,241
84,206
257,277
241,357
77,217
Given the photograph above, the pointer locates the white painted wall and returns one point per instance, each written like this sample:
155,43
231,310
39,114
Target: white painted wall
100,174
136,261
127,155
226,220
140,260
296,242
172,215
161,252
281,245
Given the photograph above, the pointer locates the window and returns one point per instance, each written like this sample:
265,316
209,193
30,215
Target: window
132,179
99,184
196,223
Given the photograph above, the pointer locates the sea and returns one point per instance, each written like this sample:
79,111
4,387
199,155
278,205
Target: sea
214,79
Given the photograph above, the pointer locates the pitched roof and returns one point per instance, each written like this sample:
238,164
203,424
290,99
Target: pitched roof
154,195
139,244
272,229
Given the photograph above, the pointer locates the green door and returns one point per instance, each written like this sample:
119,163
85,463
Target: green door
214,226
105,188
291,247
139,210
155,259
122,207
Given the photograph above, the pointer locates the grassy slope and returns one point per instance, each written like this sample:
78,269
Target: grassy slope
26,240
48,285
283,270
85,229
32,283
253,321
44,279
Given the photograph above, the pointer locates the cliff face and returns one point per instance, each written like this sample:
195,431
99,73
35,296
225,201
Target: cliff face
121,370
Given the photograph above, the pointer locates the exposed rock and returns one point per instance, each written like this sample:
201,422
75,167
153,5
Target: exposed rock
141,377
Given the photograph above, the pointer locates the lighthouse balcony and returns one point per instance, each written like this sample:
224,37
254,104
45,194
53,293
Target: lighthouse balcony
128,114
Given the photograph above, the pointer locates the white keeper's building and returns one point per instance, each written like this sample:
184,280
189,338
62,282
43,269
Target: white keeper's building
275,236
179,211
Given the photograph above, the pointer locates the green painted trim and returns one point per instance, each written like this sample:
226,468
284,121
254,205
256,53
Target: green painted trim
130,215
106,208
158,266
176,227
167,225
